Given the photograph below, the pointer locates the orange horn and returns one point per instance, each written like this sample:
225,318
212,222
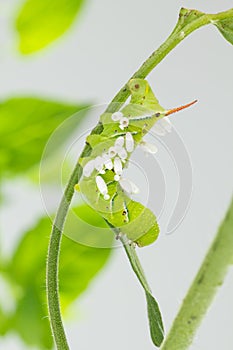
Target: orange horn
174,110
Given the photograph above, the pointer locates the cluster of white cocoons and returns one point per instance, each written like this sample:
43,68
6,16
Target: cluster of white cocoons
113,159
119,117
115,156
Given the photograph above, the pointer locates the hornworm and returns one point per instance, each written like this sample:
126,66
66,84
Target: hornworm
107,152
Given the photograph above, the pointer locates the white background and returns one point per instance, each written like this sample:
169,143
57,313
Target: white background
91,63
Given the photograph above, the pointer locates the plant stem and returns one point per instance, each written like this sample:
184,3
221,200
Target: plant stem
56,235
53,263
204,287
157,56
135,264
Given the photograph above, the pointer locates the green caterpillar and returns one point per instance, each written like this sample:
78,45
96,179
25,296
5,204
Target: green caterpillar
107,152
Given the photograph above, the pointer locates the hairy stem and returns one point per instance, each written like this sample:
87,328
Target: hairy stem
53,263
56,235
204,287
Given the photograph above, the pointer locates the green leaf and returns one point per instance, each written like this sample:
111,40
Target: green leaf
155,320
26,124
225,27
40,22
79,264
154,314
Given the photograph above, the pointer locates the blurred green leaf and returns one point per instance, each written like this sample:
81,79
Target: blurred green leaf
79,264
26,124
30,319
40,22
225,27
3,322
